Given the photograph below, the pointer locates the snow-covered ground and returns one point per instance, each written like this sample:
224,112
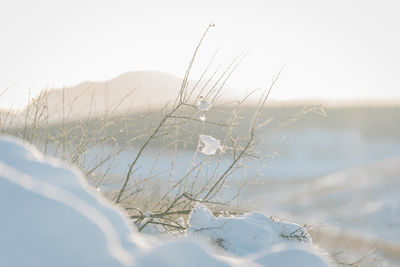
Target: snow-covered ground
50,216
357,211
344,180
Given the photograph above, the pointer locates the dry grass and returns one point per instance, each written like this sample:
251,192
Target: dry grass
95,144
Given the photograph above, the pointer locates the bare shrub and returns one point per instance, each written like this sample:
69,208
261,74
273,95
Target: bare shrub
160,197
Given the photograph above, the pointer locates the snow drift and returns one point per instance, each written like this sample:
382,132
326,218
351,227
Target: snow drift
248,233
50,216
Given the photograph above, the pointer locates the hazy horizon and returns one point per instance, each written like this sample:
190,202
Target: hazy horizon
335,50
152,89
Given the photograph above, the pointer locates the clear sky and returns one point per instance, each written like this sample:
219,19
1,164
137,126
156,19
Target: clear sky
338,49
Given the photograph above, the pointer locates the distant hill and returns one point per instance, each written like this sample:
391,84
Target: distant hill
129,92
134,92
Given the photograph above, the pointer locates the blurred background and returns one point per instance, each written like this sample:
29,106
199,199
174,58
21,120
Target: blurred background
337,170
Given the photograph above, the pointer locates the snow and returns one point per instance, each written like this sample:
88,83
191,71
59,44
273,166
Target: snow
52,217
211,145
49,213
357,210
203,105
284,256
180,253
246,234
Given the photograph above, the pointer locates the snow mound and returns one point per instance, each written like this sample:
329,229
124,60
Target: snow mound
248,233
180,253
287,256
50,217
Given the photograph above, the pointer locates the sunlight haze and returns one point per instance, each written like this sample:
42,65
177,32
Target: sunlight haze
335,50
199,133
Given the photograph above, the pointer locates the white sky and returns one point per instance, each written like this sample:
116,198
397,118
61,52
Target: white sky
339,49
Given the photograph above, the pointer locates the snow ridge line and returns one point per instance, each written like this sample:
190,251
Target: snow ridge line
82,207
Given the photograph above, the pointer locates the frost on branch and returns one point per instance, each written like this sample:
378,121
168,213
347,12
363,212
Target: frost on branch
203,105
211,145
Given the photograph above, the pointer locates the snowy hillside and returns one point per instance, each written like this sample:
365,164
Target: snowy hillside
51,217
